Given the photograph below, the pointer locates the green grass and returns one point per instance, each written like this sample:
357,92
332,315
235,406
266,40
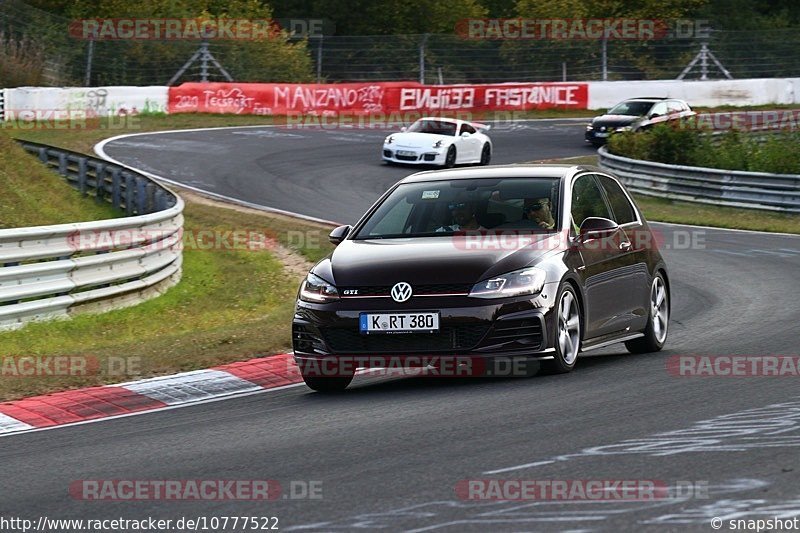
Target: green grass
664,210
32,195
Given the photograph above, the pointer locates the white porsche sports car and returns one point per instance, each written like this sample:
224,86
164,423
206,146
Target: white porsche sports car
439,141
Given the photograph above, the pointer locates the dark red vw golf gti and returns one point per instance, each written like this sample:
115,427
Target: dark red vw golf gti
520,262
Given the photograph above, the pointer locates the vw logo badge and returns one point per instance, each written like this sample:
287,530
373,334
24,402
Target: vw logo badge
401,292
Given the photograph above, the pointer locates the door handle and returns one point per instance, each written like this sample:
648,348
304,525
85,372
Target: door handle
625,246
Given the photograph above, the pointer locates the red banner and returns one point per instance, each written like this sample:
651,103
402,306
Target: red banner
372,98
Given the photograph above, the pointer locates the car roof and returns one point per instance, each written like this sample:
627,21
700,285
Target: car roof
531,170
441,119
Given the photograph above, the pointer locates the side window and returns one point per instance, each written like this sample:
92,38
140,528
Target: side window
675,107
587,200
466,128
659,109
623,210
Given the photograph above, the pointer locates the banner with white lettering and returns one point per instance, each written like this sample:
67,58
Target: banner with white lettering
371,98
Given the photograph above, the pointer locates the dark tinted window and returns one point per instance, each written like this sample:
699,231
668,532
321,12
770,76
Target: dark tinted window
587,200
623,210
466,128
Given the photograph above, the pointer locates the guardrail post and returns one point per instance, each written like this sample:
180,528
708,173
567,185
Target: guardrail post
130,192
115,187
62,164
99,181
141,197
43,155
82,175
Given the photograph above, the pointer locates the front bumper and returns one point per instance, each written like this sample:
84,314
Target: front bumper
470,327
597,137
413,156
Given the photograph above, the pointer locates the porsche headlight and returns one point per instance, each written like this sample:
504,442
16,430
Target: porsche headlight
517,283
437,144
315,289
389,140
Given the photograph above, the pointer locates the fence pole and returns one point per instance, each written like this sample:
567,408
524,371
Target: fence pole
319,60
89,58
422,59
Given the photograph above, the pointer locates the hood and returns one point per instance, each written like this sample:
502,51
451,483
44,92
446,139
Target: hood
419,140
432,260
614,121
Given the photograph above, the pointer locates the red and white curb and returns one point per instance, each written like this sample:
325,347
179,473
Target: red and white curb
126,399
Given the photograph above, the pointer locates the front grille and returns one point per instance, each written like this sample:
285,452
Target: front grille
448,339
418,290
525,331
406,157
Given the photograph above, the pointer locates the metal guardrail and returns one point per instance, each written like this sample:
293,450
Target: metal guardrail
59,270
2,105
754,190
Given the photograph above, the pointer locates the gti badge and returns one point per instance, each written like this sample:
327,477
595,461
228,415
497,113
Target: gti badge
401,292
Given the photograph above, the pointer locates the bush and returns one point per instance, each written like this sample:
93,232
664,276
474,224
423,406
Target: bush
733,150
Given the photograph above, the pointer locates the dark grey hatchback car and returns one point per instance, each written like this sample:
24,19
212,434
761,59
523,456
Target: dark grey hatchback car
521,262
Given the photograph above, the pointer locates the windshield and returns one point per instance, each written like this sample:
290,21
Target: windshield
636,109
435,127
438,208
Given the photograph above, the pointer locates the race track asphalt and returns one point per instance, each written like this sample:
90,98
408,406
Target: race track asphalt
390,451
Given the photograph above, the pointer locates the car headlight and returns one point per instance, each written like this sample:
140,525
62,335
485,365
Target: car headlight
589,127
437,144
389,140
623,128
525,281
315,289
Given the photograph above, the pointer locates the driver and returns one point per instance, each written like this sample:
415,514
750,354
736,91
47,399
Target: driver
463,215
538,210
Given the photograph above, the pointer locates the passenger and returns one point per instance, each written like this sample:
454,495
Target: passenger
538,210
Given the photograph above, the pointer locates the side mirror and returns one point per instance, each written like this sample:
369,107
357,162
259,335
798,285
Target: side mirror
597,228
465,135
655,115
403,129
339,234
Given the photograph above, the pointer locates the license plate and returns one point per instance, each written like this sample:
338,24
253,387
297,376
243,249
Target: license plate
601,134
406,153
398,322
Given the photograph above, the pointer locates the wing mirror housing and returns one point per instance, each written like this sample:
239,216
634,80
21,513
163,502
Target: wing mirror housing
465,135
339,234
403,129
597,228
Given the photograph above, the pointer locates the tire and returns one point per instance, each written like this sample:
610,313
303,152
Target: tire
655,334
567,331
450,159
486,154
327,383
